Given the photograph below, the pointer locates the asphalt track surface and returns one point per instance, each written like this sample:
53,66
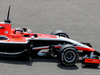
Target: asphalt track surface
79,18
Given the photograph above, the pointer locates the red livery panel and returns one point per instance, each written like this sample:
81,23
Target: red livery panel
93,61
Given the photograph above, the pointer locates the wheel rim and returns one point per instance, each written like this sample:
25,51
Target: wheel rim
69,56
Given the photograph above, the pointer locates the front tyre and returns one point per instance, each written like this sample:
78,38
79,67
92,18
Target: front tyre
60,33
68,55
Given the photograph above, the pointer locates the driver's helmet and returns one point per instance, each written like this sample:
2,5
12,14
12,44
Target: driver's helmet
19,31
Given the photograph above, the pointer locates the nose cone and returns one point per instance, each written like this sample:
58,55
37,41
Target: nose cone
86,49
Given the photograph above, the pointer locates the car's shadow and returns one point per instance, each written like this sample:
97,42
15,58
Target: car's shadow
75,67
15,61
90,67
20,61
41,59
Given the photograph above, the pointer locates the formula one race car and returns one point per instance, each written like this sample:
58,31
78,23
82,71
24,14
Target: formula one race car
21,42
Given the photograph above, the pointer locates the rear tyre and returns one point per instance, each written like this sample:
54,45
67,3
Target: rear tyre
68,55
60,33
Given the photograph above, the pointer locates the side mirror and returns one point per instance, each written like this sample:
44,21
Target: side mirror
35,35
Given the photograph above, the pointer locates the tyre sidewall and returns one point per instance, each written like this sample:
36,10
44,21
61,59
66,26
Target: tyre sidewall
63,51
